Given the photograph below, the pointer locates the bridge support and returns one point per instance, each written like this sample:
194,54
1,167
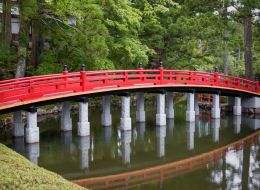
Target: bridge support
215,110
84,145
161,134
169,105
126,147
190,113
83,124
161,116
66,122
190,129
140,113
196,104
106,118
237,109
32,134
215,126
125,120
18,126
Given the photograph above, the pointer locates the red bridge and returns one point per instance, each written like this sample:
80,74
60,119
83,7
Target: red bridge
41,89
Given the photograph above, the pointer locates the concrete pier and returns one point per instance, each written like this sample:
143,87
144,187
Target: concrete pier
215,128
196,104
126,137
106,118
237,120
215,110
32,134
160,135
140,113
33,152
125,120
160,115
190,113
66,122
83,124
169,105
237,108
190,129
18,125
84,145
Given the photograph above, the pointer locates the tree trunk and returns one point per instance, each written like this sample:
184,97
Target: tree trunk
248,47
6,27
22,47
226,65
35,44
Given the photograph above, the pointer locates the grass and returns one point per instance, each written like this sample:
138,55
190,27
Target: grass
16,172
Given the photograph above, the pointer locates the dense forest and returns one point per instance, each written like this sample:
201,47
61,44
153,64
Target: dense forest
120,34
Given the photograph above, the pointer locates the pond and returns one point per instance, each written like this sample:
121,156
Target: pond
110,151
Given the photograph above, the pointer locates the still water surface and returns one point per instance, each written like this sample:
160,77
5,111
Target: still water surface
111,151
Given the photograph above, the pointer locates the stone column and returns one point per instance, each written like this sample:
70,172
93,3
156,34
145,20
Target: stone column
160,134
169,105
18,126
66,122
33,152
126,146
215,127
140,113
125,120
190,113
32,134
237,124
83,124
215,110
190,128
196,104
161,116
106,118
84,145
237,109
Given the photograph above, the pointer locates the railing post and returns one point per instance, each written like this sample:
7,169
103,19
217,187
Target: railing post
140,68
83,78
161,71
65,73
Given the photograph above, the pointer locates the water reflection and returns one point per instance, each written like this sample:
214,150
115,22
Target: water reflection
160,135
126,138
18,145
170,128
140,127
33,152
237,123
215,129
190,128
198,126
84,145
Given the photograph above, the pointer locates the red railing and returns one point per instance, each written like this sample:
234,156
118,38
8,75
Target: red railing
29,88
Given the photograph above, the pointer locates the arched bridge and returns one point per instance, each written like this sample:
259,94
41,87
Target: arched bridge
30,92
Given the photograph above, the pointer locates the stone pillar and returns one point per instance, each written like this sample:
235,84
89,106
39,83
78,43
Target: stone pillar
161,116
237,124
83,124
18,126
215,110
190,128
32,134
169,105
66,122
33,152
125,120
126,146
237,109
215,127
140,113
84,145
196,104
190,113
106,118
160,134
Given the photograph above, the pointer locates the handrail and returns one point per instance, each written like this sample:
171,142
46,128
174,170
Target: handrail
30,88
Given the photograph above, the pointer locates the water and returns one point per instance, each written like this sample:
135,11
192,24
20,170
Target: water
110,151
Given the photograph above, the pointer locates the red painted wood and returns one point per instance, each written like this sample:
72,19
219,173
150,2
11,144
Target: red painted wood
30,88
